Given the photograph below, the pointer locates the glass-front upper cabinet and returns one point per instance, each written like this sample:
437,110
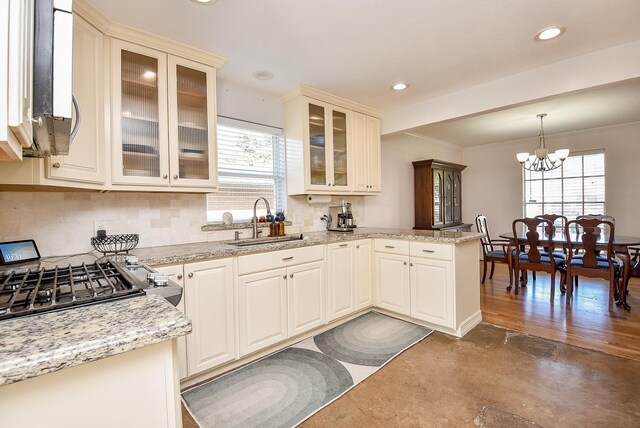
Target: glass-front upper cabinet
437,196
163,119
192,115
328,146
140,127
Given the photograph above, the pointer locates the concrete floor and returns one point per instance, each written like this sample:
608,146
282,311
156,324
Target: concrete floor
492,378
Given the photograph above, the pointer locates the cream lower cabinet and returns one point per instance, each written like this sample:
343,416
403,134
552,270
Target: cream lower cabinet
341,284
364,273
392,282
432,290
280,295
429,281
350,278
176,273
262,309
305,289
210,303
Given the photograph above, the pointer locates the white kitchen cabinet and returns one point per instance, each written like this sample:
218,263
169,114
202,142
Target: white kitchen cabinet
366,153
176,274
364,273
305,288
210,303
430,281
432,290
163,116
326,152
262,309
341,284
86,160
392,282
85,165
280,294
16,34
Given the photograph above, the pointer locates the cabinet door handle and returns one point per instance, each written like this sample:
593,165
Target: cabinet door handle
165,176
405,263
410,264
56,165
286,259
179,276
389,246
357,246
428,251
291,276
190,275
284,276
175,176
343,245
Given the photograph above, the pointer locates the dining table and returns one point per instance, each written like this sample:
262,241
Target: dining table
621,244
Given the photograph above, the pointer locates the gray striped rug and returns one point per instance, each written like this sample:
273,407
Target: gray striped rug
285,388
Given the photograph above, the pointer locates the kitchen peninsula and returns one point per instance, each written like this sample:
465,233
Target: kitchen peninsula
246,301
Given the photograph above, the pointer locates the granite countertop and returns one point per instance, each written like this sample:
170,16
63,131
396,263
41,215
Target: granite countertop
35,345
186,253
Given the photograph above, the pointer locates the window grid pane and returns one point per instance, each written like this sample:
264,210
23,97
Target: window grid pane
251,164
577,188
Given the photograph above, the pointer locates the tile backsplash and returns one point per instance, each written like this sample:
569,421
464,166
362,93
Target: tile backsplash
63,222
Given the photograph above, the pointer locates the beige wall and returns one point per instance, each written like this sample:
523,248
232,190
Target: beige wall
492,182
394,206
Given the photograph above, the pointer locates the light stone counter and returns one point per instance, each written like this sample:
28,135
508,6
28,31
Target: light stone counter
186,253
34,345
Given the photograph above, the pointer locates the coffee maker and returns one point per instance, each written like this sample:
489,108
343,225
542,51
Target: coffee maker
340,218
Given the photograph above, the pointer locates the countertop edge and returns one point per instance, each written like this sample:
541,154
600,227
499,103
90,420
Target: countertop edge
22,367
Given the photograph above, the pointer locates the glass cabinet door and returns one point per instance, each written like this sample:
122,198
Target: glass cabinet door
191,115
317,145
437,196
339,148
448,197
140,115
457,197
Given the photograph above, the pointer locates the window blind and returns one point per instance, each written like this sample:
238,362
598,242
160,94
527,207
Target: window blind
251,164
576,188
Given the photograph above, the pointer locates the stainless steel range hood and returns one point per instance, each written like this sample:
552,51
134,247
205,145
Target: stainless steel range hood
52,79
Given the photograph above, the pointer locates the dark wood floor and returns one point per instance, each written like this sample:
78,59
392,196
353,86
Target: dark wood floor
586,323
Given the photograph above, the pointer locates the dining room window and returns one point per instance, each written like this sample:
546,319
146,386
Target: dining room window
251,164
576,188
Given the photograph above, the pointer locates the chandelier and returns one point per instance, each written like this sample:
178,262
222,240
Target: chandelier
542,160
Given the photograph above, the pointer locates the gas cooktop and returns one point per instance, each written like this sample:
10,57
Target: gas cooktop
33,291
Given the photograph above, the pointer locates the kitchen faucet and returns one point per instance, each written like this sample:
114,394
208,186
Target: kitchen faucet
254,220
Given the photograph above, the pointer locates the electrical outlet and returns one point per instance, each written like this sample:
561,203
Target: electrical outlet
99,225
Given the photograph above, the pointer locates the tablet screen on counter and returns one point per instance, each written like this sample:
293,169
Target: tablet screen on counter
18,251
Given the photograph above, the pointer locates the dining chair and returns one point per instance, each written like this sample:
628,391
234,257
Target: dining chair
490,252
534,257
592,263
557,223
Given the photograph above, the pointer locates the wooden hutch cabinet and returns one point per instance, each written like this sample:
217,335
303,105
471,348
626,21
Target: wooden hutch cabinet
438,195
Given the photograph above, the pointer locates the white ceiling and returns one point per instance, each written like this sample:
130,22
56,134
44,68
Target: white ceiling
357,49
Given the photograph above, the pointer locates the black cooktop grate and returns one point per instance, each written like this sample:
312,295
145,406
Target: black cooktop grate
36,291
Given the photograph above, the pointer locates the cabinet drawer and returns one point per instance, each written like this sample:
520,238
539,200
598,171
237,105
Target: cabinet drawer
277,259
392,246
431,250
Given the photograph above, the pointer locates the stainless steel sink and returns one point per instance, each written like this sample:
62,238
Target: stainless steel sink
262,241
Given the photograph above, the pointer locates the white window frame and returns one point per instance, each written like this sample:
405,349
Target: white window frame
526,181
278,174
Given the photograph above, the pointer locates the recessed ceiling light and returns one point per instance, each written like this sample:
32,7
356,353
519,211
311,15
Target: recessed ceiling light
400,86
263,75
549,33
149,75
204,2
